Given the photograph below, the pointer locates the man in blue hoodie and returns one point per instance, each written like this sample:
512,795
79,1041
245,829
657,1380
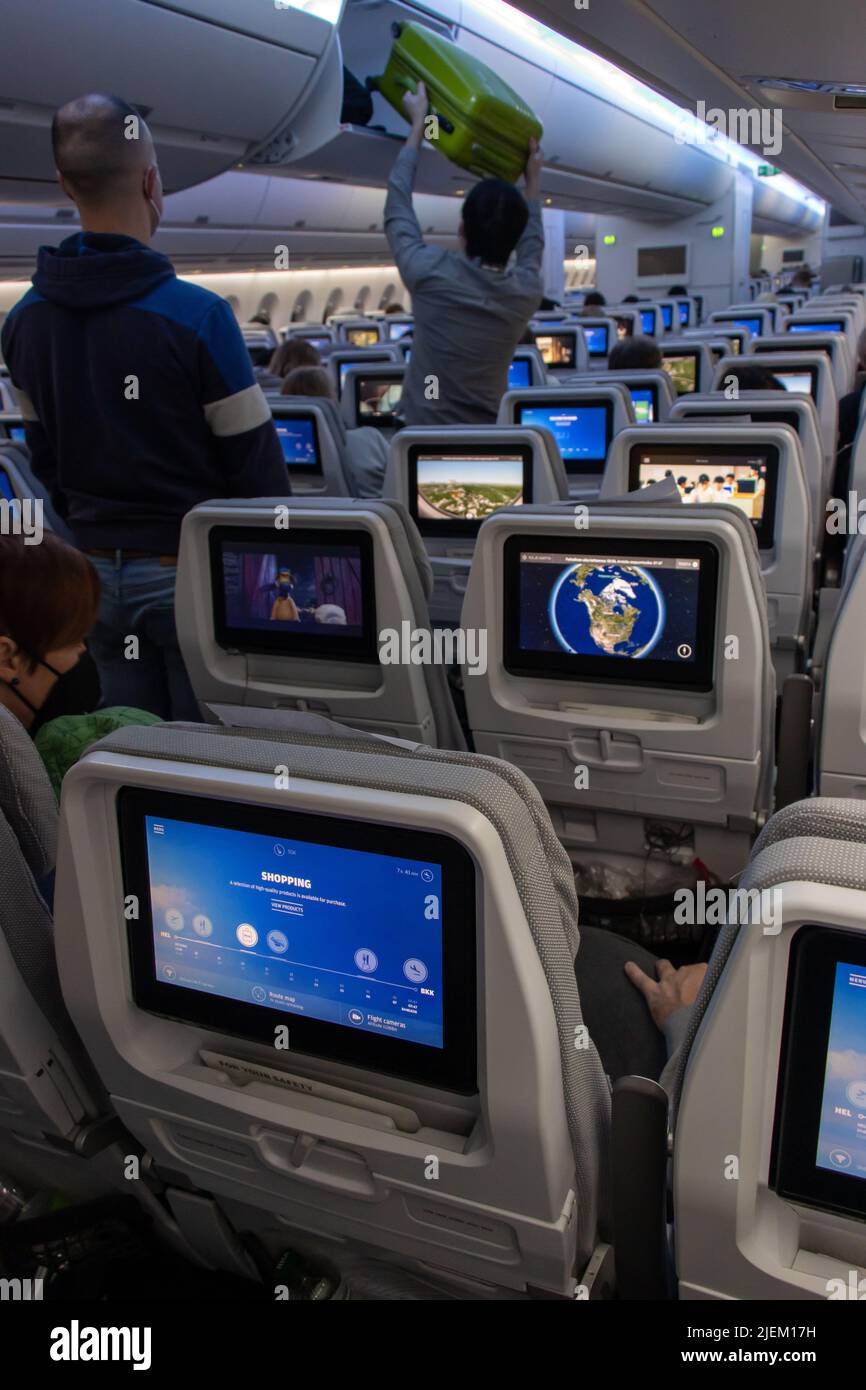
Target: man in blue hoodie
138,395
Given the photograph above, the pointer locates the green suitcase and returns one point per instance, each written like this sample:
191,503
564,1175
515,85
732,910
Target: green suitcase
482,124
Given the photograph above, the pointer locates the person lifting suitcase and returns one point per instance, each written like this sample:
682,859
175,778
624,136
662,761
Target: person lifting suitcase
470,308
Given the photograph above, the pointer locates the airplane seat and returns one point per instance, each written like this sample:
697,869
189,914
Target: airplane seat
56,1129
842,362
761,406
776,502
352,657
18,483
620,749
518,464
766,1096
808,373
583,416
294,1091
314,445
841,672
8,399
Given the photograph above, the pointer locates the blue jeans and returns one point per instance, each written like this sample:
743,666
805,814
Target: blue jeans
138,601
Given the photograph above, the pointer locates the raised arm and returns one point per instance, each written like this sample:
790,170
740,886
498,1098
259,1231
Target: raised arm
412,255
529,251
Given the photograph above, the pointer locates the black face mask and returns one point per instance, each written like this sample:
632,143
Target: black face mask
76,691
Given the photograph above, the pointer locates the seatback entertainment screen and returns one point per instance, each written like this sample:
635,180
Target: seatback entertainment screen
6,489
755,326
451,491
582,430
377,399
836,327
308,595
399,330
643,401
362,337
667,316
745,478
819,1140
365,361
805,381
682,368
297,436
596,335
648,322
519,374
557,349
354,936
617,611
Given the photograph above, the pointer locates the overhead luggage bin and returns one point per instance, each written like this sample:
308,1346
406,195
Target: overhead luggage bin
215,82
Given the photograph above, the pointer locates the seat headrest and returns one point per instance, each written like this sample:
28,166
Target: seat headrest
26,799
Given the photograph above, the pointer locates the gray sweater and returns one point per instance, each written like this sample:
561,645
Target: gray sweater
468,317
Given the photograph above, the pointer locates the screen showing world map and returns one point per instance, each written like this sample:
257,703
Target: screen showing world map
634,616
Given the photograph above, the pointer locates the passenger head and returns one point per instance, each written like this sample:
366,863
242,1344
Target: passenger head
678,292
751,377
594,300
802,278
106,163
394,308
630,299
634,353
49,594
294,352
493,221
309,381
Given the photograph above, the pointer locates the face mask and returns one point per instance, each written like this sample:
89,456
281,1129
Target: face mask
76,691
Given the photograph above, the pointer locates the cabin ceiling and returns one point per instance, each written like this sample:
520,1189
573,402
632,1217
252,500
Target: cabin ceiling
694,50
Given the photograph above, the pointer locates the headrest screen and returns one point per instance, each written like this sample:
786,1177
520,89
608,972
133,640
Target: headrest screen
362,337
747,478
648,321
347,362
619,610
682,369
557,349
305,593
377,399
17,432
581,429
519,373
685,311
299,442
643,401
320,344
755,326
596,335
452,490
399,330
357,937
6,489
805,380
667,316
819,1144
836,327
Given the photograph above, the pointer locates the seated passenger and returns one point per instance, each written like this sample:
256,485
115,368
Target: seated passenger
592,303
366,446
294,352
394,308
635,353
471,306
49,600
849,406
677,292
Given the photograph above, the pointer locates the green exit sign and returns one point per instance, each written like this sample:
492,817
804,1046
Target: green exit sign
766,171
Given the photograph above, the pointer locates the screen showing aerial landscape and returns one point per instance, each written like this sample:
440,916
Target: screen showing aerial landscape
467,487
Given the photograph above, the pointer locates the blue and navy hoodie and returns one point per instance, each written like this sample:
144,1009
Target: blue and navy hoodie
138,394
